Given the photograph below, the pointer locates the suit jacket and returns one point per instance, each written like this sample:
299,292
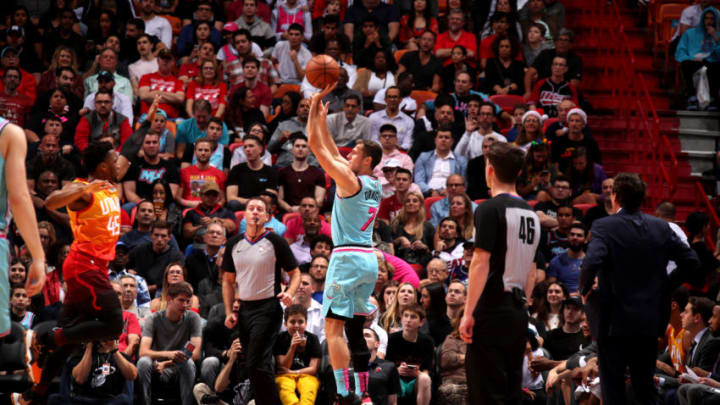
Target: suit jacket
629,252
426,162
706,352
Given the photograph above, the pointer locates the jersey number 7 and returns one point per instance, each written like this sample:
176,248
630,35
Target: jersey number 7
372,211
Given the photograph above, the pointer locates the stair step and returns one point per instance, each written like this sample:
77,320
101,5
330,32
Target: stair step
700,132
700,154
699,114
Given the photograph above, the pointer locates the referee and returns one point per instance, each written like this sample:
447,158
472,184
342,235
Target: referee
495,322
252,263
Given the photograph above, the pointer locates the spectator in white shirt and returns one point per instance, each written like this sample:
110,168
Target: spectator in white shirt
470,144
392,115
155,25
147,62
291,56
391,153
121,102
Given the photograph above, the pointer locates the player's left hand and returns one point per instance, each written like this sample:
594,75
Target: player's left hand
35,278
285,298
466,328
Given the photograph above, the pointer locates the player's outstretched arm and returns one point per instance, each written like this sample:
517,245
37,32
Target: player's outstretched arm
323,146
76,196
15,147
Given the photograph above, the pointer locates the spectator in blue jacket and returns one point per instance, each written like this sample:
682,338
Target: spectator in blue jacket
698,47
433,168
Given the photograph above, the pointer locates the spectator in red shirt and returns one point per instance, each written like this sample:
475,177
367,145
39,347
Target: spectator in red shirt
455,35
163,83
391,206
207,86
13,105
412,25
191,69
251,80
28,84
308,209
102,122
192,178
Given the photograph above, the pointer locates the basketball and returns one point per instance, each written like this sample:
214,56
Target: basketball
322,71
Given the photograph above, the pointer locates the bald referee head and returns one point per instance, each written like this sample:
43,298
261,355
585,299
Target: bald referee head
505,162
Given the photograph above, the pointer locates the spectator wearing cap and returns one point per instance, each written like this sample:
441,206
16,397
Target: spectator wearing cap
564,146
566,340
108,61
14,106
433,168
260,31
164,84
154,24
403,124
348,126
208,209
28,58
9,57
101,122
204,13
147,63
192,129
121,102
388,137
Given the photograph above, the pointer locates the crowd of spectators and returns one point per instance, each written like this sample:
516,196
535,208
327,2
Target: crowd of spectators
207,104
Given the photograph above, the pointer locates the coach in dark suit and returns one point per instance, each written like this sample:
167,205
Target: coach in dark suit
629,252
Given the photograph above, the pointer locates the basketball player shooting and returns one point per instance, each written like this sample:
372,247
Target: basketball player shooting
352,272
91,310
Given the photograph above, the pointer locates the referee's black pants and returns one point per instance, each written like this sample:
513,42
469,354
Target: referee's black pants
618,353
259,324
494,359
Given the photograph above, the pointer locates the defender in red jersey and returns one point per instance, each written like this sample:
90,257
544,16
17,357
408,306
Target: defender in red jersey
91,310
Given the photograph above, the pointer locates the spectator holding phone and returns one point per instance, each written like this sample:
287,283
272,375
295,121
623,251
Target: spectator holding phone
412,353
170,345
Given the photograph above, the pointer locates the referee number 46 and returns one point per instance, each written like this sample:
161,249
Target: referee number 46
527,230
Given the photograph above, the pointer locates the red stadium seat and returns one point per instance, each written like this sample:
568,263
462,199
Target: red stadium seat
430,201
532,203
290,215
235,146
239,216
507,102
479,201
417,267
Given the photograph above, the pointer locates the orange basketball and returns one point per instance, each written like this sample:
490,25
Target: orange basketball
322,71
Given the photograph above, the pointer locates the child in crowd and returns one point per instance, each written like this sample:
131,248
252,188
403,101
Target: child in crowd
298,355
412,353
